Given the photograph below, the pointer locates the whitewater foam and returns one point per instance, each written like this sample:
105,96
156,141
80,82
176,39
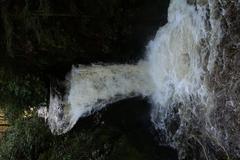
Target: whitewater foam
93,87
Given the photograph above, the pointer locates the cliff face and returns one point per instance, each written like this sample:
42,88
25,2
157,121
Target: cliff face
225,79
52,35
218,136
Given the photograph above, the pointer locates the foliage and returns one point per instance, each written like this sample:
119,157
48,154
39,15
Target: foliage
19,92
30,139
23,140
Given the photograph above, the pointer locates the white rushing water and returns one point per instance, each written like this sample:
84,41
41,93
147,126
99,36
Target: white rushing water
93,87
175,74
176,57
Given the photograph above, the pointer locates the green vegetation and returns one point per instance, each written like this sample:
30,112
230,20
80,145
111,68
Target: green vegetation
30,139
19,92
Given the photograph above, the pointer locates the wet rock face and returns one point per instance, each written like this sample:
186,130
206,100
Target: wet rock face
212,131
224,84
226,77
52,35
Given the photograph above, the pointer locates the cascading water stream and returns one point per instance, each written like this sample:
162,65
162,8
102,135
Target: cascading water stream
93,87
176,75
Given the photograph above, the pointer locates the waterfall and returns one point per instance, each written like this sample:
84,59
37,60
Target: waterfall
178,75
177,56
181,59
93,87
